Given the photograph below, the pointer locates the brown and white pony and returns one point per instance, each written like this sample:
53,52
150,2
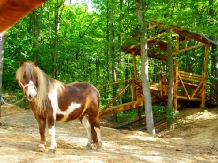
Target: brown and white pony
53,101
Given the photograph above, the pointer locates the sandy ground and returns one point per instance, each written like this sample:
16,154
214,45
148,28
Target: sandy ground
196,140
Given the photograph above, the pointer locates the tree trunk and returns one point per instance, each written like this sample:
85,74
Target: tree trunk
36,30
214,51
144,67
171,81
2,43
112,52
57,25
120,44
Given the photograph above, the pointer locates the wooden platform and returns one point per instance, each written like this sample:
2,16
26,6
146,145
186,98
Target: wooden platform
12,11
190,92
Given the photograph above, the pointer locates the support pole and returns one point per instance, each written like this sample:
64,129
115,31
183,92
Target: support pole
175,88
203,97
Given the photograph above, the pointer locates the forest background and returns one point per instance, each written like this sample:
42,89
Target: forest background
82,41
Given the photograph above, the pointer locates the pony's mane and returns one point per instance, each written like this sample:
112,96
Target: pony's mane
44,82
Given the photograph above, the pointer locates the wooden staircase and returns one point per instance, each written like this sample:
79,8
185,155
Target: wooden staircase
119,108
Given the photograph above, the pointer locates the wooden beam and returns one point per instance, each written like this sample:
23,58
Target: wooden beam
194,92
177,44
184,87
189,48
11,11
134,64
114,99
122,107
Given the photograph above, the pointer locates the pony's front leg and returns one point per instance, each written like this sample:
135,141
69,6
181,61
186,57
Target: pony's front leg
53,146
42,125
51,124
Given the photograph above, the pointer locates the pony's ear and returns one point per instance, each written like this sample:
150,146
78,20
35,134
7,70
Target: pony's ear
21,63
35,64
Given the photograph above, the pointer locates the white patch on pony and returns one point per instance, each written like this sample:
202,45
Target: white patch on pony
87,126
53,140
69,110
31,92
53,96
54,100
98,133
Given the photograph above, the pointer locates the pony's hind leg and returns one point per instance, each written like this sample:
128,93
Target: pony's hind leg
84,120
95,124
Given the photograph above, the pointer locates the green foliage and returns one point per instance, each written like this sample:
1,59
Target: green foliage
84,46
127,116
180,123
161,112
171,114
205,110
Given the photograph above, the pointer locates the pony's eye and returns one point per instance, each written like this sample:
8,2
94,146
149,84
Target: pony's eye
24,76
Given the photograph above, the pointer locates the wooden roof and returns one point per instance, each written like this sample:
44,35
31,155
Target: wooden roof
181,36
12,11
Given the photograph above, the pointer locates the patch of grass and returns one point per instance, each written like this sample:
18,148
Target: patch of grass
205,110
128,115
181,123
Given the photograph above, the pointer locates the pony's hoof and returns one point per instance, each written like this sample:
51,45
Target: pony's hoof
41,149
99,147
88,146
52,151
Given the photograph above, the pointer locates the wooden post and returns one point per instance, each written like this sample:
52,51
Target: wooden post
164,90
134,64
203,97
175,87
134,88
177,44
135,75
161,85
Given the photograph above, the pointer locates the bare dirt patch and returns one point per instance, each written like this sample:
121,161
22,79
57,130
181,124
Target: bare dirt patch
196,140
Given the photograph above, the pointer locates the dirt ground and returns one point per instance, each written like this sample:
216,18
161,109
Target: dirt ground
195,140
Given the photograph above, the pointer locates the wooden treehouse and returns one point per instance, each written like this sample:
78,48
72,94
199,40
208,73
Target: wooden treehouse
13,10
188,87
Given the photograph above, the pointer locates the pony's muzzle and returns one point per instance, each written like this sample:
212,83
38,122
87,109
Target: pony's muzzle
31,92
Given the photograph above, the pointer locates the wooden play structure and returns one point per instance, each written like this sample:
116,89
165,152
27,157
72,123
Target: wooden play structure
188,87
13,10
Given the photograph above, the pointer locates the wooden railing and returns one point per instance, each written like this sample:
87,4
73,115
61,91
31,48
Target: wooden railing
191,84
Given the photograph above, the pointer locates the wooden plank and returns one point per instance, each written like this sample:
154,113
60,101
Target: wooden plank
185,98
189,48
191,74
194,92
12,11
190,77
183,85
119,108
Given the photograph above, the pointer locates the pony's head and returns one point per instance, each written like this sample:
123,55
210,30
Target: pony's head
27,78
